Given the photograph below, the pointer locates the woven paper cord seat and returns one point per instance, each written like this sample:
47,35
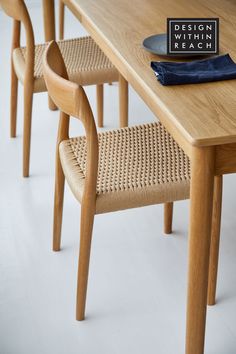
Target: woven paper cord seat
86,64
138,166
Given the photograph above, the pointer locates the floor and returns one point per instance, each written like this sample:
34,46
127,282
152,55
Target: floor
137,286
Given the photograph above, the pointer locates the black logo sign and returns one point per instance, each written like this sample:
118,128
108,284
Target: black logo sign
192,36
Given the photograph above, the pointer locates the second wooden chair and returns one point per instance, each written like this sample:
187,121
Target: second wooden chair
86,64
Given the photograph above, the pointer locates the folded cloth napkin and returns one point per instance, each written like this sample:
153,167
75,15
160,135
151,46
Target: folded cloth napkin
214,69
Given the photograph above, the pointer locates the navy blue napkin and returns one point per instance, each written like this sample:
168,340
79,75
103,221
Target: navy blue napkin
214,69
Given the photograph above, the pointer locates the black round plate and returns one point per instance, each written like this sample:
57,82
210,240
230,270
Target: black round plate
156,44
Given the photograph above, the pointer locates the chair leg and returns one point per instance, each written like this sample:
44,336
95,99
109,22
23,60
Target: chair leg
215,240
86,229
124,101
58,203
61,19
28,101
14,95
168,217
100,105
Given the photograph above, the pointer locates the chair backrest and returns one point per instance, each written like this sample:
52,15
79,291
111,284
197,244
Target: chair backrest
67,95
71,99
18,11
15,9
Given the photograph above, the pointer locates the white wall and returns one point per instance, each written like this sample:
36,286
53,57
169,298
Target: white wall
33,2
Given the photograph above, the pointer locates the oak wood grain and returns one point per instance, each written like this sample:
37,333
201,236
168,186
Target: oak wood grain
225,159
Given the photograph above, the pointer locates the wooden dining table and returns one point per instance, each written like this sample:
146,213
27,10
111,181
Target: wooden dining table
201,118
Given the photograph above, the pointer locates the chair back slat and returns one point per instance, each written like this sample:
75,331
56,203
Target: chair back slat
15,9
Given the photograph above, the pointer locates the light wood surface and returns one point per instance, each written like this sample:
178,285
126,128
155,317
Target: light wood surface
215,240
203,114
201,194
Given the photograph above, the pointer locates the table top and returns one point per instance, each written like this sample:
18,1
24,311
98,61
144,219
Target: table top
202,114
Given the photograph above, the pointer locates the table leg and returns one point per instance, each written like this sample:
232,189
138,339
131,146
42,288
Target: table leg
49,31
215,240
201,194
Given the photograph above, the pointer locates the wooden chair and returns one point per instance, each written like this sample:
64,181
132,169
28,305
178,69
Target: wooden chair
85,63
168,207
114,170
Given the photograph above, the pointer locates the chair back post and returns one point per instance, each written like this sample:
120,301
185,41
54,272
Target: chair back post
85,113
71,99
16,34
18,11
